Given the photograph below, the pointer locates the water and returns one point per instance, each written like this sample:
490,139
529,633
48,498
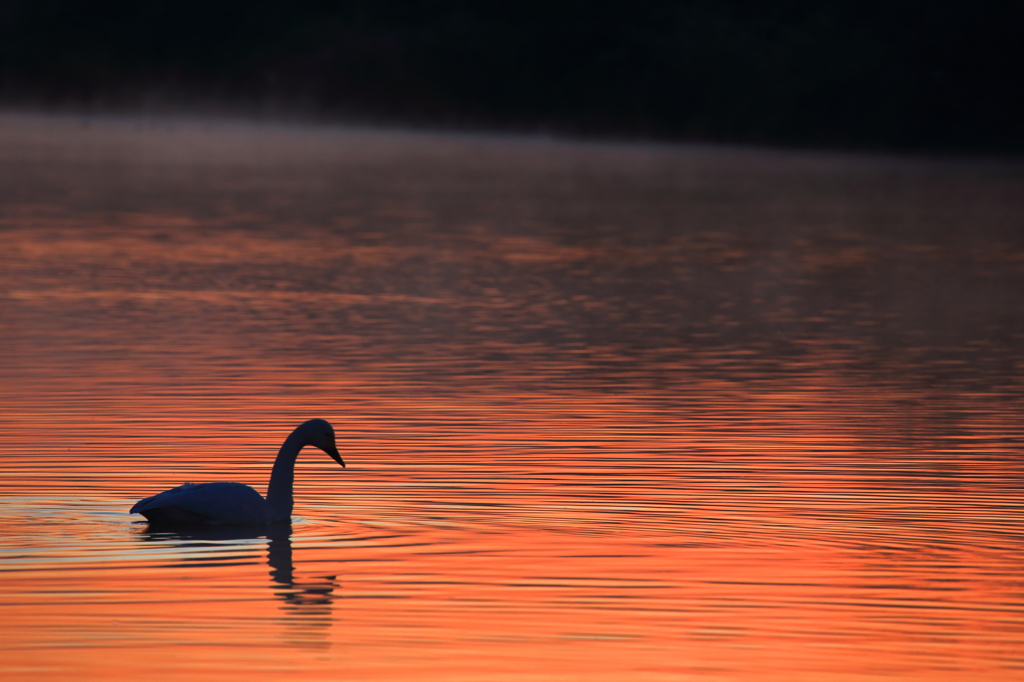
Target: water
611,412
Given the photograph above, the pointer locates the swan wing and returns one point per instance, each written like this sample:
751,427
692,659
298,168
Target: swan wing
222,502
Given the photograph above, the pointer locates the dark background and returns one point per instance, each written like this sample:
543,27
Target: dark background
898,74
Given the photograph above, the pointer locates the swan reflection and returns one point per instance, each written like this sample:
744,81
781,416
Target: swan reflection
306,602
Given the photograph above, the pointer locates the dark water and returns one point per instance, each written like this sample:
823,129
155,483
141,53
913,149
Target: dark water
610,412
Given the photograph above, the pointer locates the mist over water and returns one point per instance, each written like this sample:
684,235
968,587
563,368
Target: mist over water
616,412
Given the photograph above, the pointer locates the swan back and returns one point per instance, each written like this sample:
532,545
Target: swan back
211,503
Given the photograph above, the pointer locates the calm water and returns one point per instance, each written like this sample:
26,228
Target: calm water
610,412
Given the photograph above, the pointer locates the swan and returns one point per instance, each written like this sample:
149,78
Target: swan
235,503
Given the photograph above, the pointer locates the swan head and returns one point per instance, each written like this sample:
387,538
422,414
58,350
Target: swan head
320,434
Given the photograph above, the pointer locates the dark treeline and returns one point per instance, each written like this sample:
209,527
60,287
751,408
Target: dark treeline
905,74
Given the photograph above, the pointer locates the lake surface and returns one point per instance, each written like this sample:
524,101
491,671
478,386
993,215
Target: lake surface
610,412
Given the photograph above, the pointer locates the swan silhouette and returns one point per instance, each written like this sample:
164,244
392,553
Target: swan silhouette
236,503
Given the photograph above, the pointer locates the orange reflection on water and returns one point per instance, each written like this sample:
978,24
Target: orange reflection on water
564,538
541,606
610,412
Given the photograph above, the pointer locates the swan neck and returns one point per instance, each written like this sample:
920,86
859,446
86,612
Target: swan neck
282,478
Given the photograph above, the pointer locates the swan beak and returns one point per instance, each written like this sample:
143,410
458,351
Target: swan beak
332,450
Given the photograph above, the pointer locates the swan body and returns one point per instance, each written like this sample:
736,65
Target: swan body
225,503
